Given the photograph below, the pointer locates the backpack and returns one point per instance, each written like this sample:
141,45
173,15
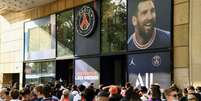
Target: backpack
71,96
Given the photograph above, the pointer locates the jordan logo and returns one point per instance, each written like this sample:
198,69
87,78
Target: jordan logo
132,62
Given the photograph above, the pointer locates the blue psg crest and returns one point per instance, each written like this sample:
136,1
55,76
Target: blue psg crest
156,61
85,21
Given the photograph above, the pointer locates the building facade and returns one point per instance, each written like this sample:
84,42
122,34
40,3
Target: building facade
69,54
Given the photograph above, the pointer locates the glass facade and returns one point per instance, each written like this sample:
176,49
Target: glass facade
65,34
113,34
40,38
40,72
113,25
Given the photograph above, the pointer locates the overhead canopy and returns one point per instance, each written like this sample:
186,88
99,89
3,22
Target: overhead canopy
20,5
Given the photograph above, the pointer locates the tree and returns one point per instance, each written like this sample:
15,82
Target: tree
113,25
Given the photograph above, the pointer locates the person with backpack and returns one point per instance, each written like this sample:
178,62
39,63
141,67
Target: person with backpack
74,95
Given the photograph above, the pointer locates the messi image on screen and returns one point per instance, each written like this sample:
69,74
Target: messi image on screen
145,34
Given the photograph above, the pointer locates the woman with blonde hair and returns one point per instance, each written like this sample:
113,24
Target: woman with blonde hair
65,95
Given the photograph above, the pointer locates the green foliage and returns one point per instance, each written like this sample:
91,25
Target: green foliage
65,34
113,25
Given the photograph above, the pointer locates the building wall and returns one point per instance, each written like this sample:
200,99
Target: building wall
187,48
44,10
195,46
11,34
11,52
181,43
1,75
186,37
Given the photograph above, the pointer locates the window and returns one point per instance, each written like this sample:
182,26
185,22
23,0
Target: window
65,34
39,38
39,72
113,25
43,35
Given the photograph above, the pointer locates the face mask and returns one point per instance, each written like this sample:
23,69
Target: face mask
175,100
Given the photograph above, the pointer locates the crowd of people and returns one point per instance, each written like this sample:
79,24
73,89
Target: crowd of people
58,92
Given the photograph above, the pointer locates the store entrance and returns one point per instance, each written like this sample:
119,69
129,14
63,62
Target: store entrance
11,80
64,71
112,70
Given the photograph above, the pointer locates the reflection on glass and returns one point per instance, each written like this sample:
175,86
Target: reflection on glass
40,72
113,27
39,38
65,35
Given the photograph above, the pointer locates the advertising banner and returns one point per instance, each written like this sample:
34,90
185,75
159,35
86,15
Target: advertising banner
149,68
149,24
87,71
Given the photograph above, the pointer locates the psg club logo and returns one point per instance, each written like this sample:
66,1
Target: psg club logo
85,21
156,61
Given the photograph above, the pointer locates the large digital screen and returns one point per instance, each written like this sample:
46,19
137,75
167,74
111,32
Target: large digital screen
149,24
149,68
87,71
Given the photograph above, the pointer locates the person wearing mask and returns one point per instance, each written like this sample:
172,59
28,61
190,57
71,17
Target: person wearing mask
198,89
191,90
193,97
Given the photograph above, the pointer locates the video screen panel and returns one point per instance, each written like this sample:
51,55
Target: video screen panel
149,68
149,24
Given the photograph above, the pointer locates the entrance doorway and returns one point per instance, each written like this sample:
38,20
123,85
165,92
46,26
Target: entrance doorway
64,71
11,79
112,70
